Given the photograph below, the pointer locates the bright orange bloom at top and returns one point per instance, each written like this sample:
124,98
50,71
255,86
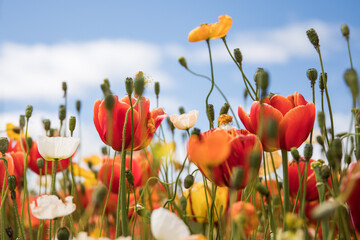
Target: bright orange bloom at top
294,118
145,123
218,151
209,31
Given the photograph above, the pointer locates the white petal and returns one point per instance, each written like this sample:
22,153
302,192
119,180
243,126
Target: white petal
50,207
165,225
51,148
185,120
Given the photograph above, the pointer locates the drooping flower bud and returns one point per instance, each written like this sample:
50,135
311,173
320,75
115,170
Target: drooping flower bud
210,112
72,123
4,145
189,181
351,79
224,109
12,182
129,85
22,121
322,81
183,62
157,89
312,75
62,112
258,72
78,106
63,234
262,189
139,84
195,131
40,163
181,110
308,151
28,111
313,37
345,31
46,124
295,153
237,177
109,102
238,55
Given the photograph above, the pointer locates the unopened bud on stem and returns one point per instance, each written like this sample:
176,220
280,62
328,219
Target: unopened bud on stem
345,31
28,111
183,62
238,55
313,37
129,85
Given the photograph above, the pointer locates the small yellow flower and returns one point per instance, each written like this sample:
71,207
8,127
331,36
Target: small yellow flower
93,160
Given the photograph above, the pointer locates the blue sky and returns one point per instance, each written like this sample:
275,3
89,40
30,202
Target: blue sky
43,43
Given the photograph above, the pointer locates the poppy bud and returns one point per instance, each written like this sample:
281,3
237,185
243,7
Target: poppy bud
13,195
141,210
183,202
63,234
320,140
98,195
129,177
238,55
107,83
308,151
321,120
347,159
157,88
345,31
255,160
64,88
195,131
224,109
40,163
12,182
325,172
78,106
171,125
337,148
257,74
295,153
109,102
237,177
104,150
322,81
62,112
4,145
181,110
105,89
51,132
139,83
182,62
351,80
263,80
312,75
129,85
262,189
189,181
246,94
29,142
331,157
210,112
46,124
10,232
313,37
28,111
72,123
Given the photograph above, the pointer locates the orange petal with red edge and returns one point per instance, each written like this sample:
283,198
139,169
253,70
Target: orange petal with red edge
281,103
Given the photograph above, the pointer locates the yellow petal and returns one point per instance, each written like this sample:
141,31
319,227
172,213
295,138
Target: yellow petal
270,167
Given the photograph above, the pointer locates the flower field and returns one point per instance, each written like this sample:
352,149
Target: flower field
276,170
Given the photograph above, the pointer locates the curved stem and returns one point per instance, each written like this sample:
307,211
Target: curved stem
348,46
212,86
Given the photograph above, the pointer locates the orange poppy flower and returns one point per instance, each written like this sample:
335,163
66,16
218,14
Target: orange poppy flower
245,214
218,151
145,122
293,115
209,31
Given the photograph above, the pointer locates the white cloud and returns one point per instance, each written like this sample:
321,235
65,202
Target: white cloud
36,71
276,45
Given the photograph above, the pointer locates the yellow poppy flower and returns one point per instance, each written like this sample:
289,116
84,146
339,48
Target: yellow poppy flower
93,160
13,131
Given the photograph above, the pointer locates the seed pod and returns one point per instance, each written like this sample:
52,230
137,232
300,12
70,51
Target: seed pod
295,153
63,234
72,123
40,163
4,145
312,75
189,181
308,151
28,111
313,37
139,84
345,31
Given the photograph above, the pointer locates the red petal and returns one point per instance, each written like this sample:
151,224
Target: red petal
281,103
296,126
245,119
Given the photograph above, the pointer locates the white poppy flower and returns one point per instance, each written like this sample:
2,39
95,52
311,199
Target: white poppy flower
51,148
50,207
165,225
185,120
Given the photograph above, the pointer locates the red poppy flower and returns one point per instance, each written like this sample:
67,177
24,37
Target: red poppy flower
10,165
217,152
293,115
145,123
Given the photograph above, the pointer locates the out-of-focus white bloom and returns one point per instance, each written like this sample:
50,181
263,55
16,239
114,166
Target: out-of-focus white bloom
290,235
50,207
45,180
84,236
165,225
185,120
51,148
